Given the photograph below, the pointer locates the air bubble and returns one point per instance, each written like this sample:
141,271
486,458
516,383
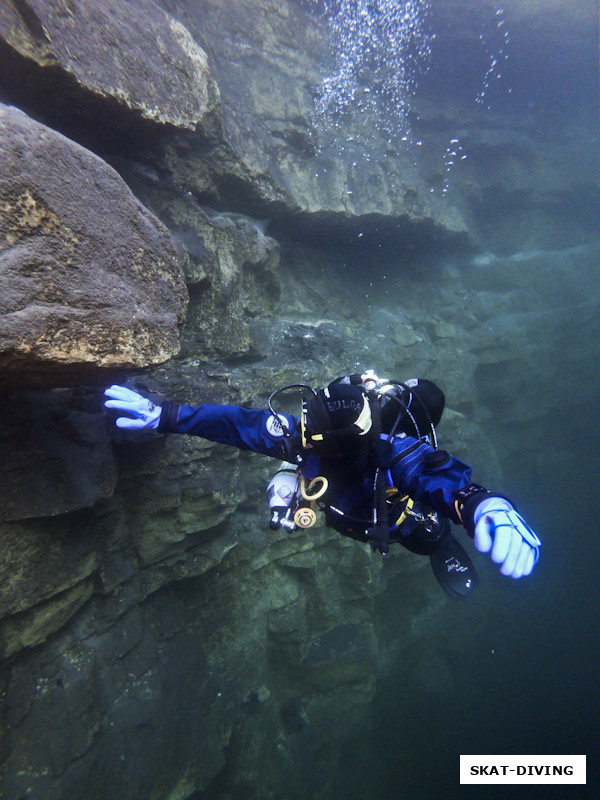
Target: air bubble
495,44
360,28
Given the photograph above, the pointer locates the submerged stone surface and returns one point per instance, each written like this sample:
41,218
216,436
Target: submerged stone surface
269,59
55,457
89,278
132,53
231,268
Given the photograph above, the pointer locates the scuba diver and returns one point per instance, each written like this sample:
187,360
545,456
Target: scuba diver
364,452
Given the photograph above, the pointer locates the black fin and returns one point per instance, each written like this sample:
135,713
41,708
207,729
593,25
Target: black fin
453,568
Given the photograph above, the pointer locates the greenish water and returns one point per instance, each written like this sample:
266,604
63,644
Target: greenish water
515,670
520,670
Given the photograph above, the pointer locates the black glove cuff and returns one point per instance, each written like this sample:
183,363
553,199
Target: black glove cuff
168,417
466,501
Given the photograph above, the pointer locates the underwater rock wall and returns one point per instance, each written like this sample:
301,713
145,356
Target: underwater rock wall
85,282
84,59
162,161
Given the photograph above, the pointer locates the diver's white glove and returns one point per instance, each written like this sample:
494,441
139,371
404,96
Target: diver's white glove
144,414
499,528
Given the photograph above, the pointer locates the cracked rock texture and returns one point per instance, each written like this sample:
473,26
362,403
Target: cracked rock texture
89,277
97,49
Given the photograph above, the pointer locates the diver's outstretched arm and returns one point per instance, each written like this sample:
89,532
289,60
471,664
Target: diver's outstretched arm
246,429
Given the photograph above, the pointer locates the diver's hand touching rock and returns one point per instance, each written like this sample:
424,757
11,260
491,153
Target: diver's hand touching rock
144,415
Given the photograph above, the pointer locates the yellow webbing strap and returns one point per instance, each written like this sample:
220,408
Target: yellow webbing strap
407,508
458,508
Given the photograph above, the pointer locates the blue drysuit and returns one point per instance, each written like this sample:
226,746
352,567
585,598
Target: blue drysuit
431,477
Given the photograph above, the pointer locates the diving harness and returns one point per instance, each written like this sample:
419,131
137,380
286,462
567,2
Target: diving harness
293,499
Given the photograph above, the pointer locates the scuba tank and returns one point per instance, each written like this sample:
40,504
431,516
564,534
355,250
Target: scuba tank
289,498
281,495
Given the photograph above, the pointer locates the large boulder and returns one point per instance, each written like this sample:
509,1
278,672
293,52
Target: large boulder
88,277
101,47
